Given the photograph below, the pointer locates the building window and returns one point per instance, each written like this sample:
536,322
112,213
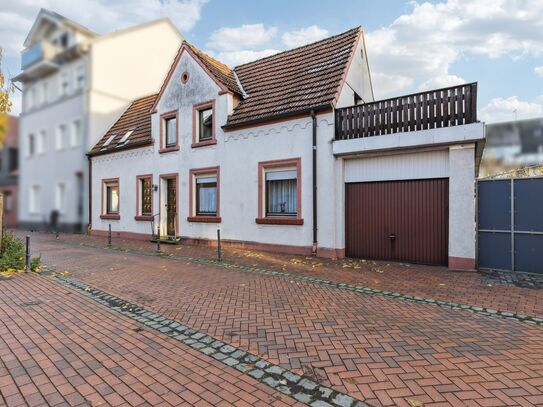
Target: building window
30,97
76,133
42,142
80,77
64,40
203,124
60,197
64,84
279,190
144,190
13,159
45,91
169,138
31,147
8,201
110,199
204,195
61,137
34,199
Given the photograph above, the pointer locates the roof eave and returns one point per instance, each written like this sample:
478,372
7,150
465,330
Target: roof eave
261,120
120,149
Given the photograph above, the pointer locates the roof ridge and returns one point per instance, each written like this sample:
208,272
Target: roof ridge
358,28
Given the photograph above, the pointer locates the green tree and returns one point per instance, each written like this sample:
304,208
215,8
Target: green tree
6,90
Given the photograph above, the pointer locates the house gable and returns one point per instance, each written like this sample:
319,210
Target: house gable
220,74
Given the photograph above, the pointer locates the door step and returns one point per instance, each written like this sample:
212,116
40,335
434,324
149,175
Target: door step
166,240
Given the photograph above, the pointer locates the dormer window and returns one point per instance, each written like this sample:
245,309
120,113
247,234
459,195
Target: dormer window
108,142
124,139
204,124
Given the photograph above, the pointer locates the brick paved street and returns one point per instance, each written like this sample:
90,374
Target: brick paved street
381,350
58,348
431,282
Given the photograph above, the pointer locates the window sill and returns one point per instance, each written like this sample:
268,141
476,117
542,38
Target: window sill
110,216
168,149
205,219
204,143
144,218
279,220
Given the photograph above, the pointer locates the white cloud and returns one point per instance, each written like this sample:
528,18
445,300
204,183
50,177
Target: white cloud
390,84
297,38
500,109
102,16
423,44
235,58
247,36
539,70
441,82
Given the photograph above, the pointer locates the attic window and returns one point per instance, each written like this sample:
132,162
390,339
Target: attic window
124,140
184,77
108,142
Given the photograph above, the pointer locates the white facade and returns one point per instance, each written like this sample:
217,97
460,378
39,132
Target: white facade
446,153
76,84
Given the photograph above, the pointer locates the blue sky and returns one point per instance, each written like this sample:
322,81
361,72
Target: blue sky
411,45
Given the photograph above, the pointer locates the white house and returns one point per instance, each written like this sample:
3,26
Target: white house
76,85
291,153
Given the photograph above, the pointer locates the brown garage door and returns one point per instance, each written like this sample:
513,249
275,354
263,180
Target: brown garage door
398,220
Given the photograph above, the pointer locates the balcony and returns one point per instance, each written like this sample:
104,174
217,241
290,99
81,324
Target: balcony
441,116
38,60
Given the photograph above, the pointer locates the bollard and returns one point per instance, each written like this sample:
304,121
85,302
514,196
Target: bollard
27,264
109,236
219,252
158,240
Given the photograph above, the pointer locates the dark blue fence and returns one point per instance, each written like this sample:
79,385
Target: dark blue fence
510,224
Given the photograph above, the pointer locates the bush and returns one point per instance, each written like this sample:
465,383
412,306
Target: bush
13,254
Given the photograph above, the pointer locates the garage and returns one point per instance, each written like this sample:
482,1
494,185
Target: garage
403,220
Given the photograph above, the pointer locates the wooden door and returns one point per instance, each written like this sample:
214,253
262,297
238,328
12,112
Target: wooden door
171,207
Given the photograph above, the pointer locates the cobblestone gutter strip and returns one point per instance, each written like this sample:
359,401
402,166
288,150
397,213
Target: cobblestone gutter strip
342,286
299,387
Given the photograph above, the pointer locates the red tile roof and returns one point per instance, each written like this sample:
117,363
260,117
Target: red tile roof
136,118
286,83
294,80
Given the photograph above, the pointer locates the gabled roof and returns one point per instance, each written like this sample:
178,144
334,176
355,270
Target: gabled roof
54,18
137,118
219,72
296,80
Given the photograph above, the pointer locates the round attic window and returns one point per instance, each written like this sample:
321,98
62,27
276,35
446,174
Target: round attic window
184,77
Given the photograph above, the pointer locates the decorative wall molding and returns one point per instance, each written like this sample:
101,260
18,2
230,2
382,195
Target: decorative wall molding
121,155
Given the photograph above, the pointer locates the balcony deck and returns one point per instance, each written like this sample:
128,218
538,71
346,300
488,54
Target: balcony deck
433,109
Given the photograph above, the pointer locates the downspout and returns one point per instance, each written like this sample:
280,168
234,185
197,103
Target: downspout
89,225
314,148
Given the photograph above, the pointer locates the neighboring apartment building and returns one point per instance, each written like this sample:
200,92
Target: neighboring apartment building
512,145
9,171
76,84
291,153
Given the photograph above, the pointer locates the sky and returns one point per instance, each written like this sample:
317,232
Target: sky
412,45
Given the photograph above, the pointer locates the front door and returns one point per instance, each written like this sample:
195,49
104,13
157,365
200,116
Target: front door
171,206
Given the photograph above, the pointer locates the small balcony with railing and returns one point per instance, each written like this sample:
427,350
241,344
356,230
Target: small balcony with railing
441,116
38,60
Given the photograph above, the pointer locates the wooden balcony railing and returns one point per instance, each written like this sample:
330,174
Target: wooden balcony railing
433,109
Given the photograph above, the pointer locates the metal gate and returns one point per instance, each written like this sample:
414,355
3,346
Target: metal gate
510,224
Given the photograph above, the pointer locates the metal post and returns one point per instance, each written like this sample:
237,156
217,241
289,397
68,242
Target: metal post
109,236
27,264
512,224
219,252
158,240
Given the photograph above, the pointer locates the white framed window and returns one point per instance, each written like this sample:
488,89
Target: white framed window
44,91
34,199
80,77
60,197
41,142
124,139
204,195
31,145
30,95
110,197
60,141
64,84
76,134
171,131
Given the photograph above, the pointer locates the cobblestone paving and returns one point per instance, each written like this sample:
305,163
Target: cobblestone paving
499,291
376,349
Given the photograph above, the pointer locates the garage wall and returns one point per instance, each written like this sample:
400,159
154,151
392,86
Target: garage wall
422,165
